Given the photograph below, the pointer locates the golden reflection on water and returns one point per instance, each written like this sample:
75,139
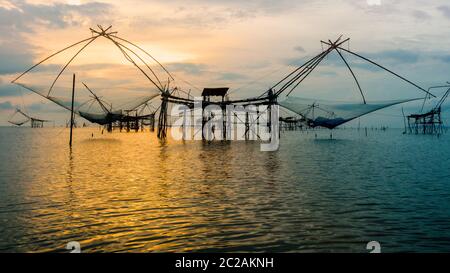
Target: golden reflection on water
129,192
125,192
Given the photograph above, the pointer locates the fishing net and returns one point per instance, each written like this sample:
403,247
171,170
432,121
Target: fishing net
113,76
329,114
343,66
18,118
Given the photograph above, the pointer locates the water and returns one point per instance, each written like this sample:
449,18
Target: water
130,193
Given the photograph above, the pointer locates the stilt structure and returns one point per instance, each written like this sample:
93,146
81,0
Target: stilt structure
162,121
34,122
108,115
328,114
208,95
429,123
93,108
152,122
291,123
314,113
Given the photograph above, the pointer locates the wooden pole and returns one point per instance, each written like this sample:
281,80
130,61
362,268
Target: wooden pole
71,110
404,120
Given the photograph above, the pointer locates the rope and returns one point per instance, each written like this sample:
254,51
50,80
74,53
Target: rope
67,64
388,70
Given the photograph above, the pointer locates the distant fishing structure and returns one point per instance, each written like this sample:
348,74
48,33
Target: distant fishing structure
429,123
24,118
136,113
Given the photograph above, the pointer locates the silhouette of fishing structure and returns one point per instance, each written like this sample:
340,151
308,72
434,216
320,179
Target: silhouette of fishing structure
314,113
430,122
329,114
20,118
96,109
130,115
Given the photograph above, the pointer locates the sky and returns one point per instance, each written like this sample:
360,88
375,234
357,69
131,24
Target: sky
245,45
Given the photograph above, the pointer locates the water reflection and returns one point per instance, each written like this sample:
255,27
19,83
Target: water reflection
131,192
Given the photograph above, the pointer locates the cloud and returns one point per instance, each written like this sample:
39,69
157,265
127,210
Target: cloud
297,61
9,90
445,10
394,56
328,73
229,76
255,6
212,13
36,107
421,15
59,15
14,58
193,18
379,8
374,2
188,68
6,105
444,58
299,49
19,18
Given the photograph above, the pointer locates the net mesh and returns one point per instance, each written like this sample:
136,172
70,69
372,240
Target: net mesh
18,118
329,114
120,76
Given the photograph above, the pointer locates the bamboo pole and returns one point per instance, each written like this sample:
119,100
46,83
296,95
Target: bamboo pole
71,111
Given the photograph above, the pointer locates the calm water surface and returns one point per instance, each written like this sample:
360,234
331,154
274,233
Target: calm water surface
127,192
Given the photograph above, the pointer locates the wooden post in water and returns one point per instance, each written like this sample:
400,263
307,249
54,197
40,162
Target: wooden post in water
71,110
224,120
162,121
404,120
